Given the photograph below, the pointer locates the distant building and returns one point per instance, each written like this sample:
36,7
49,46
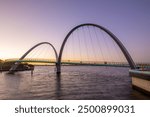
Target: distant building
1,61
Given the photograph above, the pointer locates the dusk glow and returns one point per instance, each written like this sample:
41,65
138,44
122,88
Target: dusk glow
75,50
24,23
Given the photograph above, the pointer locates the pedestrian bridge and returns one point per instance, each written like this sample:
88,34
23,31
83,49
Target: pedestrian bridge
86,48
69,62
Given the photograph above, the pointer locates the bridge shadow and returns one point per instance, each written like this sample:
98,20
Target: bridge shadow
58,86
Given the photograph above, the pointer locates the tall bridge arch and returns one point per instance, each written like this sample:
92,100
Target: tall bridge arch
13,68
117,41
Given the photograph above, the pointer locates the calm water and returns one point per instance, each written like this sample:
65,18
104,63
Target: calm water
75,82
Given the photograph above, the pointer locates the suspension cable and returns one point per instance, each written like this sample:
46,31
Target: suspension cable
100,49
92,43
79,45
84,36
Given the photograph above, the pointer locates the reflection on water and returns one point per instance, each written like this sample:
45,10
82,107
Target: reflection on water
75,82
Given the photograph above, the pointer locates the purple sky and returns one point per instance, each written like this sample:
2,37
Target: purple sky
23,23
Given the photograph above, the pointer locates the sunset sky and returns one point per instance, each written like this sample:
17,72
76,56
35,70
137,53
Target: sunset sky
24,23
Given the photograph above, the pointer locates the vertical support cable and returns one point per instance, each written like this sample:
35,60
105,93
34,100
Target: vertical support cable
92,43
84,36
79,45
100,49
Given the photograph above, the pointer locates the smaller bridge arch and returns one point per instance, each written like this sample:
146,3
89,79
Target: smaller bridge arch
13,68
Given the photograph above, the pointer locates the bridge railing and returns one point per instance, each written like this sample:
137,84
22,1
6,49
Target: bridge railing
30,59
142,66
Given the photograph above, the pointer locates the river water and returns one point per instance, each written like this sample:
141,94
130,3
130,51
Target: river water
75,82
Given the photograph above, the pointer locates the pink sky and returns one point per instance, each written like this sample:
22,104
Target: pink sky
27,22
